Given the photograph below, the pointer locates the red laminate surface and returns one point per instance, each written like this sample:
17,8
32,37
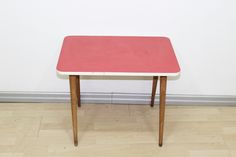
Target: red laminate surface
117,54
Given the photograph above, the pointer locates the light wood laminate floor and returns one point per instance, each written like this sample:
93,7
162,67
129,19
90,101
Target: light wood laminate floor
45,129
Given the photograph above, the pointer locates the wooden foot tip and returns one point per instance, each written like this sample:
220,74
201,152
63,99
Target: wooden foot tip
76,143
160,144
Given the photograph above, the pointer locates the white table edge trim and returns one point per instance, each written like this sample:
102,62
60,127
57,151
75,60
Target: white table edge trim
117,73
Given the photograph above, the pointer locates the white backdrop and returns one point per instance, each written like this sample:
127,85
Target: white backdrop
203,35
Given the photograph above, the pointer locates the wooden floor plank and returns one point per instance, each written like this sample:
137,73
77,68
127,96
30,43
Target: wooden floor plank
45,129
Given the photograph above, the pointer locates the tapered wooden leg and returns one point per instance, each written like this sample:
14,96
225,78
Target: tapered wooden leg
154,87
78,90
73,95
163,81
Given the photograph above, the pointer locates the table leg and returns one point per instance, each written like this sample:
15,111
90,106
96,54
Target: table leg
78,90
163,82
73,95
154,87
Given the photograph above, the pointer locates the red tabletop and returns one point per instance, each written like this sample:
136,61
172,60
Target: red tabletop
117,55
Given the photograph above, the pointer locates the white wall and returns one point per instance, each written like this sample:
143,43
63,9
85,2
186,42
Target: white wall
202,31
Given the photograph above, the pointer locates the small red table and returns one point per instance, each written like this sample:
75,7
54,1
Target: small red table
117,56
